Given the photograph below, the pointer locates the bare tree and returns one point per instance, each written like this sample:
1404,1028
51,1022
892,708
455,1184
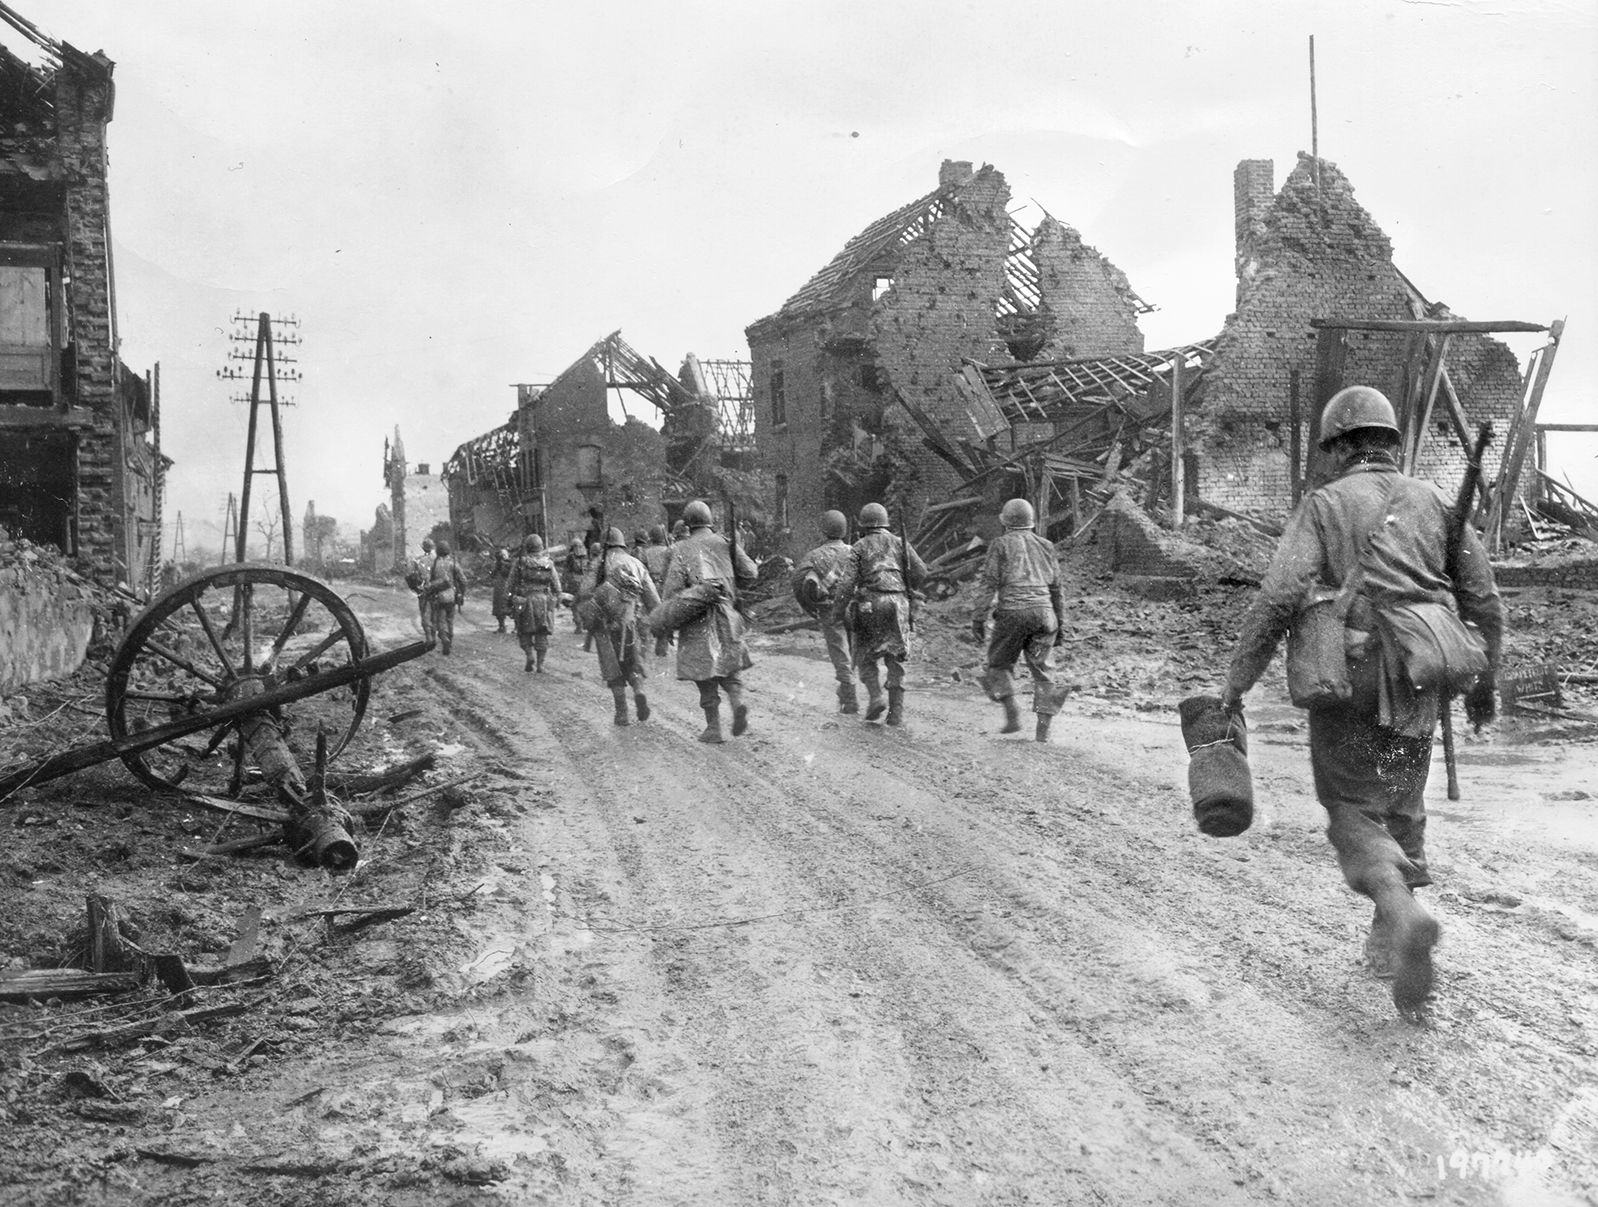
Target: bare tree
268,524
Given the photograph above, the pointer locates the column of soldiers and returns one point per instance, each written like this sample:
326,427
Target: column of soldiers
1370,753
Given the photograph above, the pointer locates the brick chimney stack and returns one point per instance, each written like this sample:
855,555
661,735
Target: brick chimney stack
1253,189
954,173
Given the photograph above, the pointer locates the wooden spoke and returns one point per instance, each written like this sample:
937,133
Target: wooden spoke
297,615
156,648
211,636
318,650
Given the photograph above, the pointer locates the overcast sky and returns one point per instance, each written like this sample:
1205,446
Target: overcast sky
456,197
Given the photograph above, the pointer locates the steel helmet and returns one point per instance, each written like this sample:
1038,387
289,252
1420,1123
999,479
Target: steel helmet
441,548
1353,408
1017,513
427,543
833,525
697,514
657,534
533,544
615,538
873,515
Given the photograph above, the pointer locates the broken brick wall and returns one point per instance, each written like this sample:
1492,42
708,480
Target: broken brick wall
941,309
1092,309
83,108
1308,253
55,185
587,460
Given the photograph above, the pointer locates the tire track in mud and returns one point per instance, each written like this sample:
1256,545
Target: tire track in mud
1418,1114
1232,1063
928,1041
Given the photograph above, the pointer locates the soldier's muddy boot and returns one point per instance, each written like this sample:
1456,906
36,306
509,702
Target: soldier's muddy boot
619,694
875,705
848,702
641,704
1043,726
530,663
1012,716
712,732
740,711
501,626
895,706
539,664
1414,933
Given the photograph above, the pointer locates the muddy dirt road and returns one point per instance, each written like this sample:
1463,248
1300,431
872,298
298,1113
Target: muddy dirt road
834,963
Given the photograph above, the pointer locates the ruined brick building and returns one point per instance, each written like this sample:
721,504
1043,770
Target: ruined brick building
1310,251
855,378
80,464
561,460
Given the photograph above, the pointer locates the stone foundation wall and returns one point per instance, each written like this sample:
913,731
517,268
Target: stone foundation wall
46,623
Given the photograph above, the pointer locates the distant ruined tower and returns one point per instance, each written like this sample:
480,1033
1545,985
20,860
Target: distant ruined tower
394,479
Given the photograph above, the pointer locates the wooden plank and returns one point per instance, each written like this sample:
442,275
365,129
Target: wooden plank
241,807
1430,326
1456,413
1516,454
64,983
1566,427
1434,381
1331,352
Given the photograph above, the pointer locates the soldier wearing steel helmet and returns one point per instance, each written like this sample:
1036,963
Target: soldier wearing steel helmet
416,576
444,591
874,591
534,593
1370,753
1021,586
710,649
623,596
815,579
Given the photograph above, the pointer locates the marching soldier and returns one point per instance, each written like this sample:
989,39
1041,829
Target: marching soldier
623,597
815,579
1387,540
499,575
710,648
1021,586
534,592
445,591
417,575
875,587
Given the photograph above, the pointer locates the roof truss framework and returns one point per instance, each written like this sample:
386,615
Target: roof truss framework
1042,391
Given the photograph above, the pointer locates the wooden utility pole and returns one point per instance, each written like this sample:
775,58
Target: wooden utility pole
1314,121
230,527
1178,446
265,364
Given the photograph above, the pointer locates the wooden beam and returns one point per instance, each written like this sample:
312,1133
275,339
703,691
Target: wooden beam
1331,351
1434,379
1429,326
1566,427
1515,453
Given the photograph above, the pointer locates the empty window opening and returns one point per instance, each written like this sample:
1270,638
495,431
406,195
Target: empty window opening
779,396
880,287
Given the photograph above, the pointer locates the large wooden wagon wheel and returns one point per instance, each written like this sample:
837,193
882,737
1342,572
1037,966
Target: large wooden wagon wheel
223,636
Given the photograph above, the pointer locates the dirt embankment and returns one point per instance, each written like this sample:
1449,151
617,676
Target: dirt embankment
827,963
